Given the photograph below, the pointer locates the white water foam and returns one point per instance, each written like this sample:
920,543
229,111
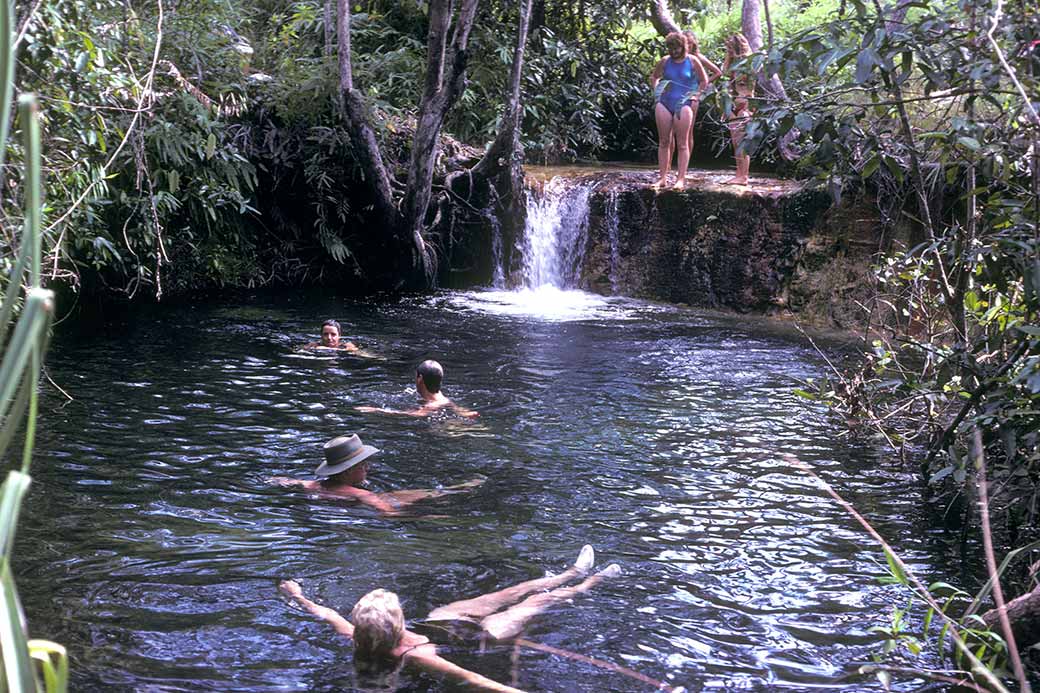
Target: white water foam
555,234
545,303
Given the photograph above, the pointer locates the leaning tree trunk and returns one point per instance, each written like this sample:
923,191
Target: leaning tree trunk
445,82
751,25
771,86
362,136
661,17
1024,614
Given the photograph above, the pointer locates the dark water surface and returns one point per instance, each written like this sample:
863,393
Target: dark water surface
152,546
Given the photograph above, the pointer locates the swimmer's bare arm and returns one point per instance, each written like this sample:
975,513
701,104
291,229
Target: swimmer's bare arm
657,74
702,77
310,485
407,497
331,616
396,412
426,657
378,501
464,412
710,68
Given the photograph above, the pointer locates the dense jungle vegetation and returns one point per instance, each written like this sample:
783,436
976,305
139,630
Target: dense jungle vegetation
200,144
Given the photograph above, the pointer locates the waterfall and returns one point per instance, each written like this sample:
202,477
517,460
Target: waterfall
498,278
613,234
554,239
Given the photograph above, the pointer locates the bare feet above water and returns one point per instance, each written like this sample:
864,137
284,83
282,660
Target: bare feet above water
679,184
661,183
736,181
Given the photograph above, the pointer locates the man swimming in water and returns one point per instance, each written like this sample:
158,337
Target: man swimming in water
428,377
345,470
382,643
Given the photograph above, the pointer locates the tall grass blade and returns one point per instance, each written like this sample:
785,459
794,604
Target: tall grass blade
17,664
11,494
30,118
45,652
6,74
14,416
31,329
14,287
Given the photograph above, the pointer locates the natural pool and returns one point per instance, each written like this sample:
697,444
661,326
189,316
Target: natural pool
151,545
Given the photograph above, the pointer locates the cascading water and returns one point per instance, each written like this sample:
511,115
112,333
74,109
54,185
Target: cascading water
498,278
554,240
613,234
551,251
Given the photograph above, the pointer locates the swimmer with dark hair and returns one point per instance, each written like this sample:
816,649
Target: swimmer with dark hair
428,378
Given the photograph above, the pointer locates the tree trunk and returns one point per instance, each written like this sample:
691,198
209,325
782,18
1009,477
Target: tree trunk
894,20
363,138
1024,614
506,146
771,86
327,20
751,25
445,82
661,17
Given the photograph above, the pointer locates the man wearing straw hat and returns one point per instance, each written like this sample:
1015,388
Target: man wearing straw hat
345,470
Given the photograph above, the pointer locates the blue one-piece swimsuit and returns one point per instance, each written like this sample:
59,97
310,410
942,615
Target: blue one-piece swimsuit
680,86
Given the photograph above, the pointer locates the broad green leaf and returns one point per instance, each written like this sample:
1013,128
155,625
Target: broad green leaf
895,568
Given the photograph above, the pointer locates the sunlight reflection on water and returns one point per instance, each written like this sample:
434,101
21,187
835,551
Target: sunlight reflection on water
650,431
544,303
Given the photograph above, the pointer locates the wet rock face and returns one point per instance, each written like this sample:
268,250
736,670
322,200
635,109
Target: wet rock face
707,246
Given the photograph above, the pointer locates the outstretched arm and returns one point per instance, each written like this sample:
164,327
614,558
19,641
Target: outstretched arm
426,658
395,412
342,625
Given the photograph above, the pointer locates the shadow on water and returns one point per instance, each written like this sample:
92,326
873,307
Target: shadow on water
153,544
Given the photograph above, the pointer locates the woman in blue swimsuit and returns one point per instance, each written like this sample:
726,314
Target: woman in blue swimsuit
677,92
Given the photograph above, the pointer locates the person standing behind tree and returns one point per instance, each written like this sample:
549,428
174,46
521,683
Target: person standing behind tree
677,90
742,89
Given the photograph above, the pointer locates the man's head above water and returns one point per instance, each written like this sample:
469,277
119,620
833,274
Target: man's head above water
428,375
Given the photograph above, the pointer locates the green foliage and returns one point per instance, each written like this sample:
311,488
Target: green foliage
143,166
23,332
925,115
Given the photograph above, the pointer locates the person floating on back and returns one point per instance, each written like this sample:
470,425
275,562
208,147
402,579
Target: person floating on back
345,470
428,377
382,644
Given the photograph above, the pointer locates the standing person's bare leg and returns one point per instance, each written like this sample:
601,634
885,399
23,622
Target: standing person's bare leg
663,117
693,124
683,136
484,605
509,623
743,161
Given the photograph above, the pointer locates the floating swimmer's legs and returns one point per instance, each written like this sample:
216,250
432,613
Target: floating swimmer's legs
486,604
509,623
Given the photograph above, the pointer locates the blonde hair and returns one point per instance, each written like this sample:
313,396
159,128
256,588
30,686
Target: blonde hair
693,46
737,46
378,626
